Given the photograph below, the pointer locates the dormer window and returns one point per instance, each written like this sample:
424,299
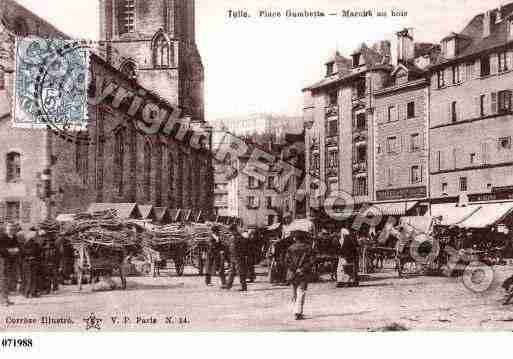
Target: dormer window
330,67
356,60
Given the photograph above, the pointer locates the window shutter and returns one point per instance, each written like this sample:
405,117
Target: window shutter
25,211
448,112
401,144
477,106
2,211
509,60
421,173
484,154
477,69
257,202
493,106
494,64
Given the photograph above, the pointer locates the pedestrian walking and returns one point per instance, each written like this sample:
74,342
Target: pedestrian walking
9,250
31,264
347,269
215,257
49,263
238,255
299,259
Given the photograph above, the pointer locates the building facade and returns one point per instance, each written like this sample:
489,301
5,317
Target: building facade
433,126
46,173
471,115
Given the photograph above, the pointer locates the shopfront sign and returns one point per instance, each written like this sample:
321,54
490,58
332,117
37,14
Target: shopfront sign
401,193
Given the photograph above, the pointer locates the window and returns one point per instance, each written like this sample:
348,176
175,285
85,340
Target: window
12,212
147,170
163,52
411,109
13,162
361,121
415,142
444,188
503,66
119,159
251,182
360,88
463,184
392,114
128,17
360,186
252,202
505,143
270,219
470,70
440,78
482,99
356,60
472,158
361,154
415,175
456,74
332,128
332,98
439,159
2,80
488,186
270,182
333,159
504,101
269,202
392,145
329,68
485,66
390,177
454,114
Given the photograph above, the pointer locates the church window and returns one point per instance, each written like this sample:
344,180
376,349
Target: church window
163,52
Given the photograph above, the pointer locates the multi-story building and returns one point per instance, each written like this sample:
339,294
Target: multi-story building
433,128
401,130
111,161
471,115
338,113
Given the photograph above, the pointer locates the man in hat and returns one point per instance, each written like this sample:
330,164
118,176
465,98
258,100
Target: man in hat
215,257
238,256
299,260
49,263
31,264
9,250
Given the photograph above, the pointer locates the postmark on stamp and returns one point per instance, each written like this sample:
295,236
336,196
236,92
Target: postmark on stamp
51,83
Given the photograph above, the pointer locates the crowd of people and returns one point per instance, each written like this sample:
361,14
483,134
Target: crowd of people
32,262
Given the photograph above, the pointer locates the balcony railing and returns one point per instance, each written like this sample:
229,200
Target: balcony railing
332,141
359,167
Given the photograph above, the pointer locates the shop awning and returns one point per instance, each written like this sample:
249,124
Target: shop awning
147,211
389,209
487,215
448,214
123,210
421,224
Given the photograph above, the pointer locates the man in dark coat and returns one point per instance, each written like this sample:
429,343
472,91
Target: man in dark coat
31,264
9,250
238,255
50,259
299,259
215,257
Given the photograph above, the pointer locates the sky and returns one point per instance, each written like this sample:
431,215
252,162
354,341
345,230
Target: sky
261,64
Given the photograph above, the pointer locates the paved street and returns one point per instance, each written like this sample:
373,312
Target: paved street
413,303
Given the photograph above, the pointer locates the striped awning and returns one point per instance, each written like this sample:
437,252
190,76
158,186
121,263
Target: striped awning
448,214
487,215
389,209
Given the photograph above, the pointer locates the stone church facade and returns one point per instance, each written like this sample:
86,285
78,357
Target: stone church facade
44,174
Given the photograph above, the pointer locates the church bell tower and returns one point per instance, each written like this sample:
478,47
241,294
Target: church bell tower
153,42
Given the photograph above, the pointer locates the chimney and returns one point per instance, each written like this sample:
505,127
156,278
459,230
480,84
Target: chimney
487,23
405,46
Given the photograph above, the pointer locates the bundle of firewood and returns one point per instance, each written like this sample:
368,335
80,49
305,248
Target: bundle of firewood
166,237
49,226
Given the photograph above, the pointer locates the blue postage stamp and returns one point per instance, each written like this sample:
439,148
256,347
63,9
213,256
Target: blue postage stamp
51,83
